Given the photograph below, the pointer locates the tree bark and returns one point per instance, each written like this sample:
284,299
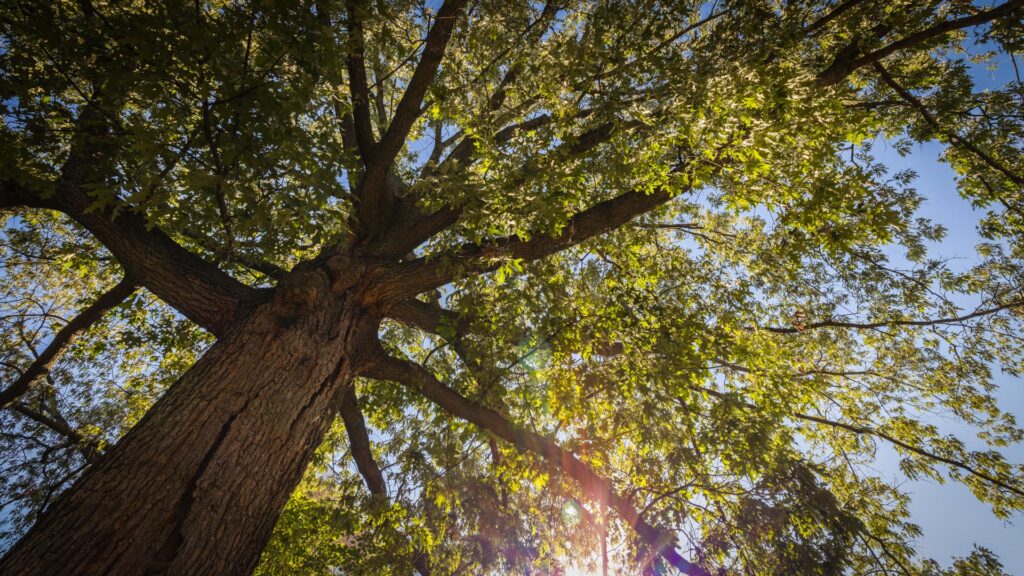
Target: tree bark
197,485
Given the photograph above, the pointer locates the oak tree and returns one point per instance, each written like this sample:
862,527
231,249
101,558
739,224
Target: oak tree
490,287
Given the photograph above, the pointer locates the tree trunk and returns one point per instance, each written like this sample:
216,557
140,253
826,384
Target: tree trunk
197,485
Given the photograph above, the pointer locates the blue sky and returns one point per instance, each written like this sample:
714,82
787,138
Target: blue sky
952,518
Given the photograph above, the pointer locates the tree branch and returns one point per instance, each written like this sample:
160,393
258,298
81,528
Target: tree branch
847,61
372,193
836,12
88,447
426,317
867,430
64,337
885,323
911,448
953,136
199,290
596,486
356,64
359,444
410,278
194,287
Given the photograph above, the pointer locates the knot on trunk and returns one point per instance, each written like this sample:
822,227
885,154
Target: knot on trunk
298,293
342,272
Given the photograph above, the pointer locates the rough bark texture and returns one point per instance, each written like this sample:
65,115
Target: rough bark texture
196,487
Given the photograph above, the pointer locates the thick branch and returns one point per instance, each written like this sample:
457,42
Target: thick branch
413,227
414,277
372,193
194,287
359,443
358,90
596,486
199,290
426,317
430,318
64,337
847,61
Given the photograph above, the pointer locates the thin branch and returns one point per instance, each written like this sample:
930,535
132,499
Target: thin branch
836,12
867,430
465,148
911,448
88,447
887,323
64,337
620,69
951,135
249,261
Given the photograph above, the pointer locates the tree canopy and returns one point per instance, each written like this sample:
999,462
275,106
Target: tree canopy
638,293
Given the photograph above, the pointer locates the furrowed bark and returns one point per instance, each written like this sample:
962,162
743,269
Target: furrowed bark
197,486
418,378
64,338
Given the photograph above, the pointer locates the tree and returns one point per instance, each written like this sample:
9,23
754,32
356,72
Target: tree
607,280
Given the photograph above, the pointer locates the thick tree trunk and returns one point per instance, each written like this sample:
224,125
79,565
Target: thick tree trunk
197,485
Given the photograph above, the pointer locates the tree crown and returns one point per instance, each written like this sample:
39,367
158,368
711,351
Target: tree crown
636,263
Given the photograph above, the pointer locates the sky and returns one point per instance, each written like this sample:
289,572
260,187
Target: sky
950,516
